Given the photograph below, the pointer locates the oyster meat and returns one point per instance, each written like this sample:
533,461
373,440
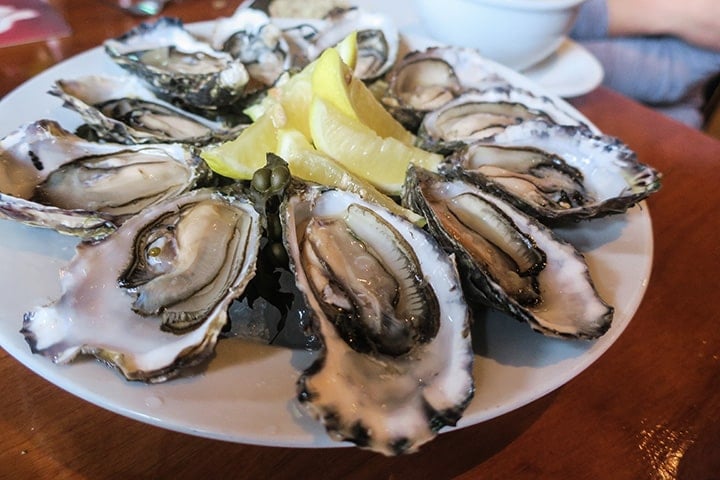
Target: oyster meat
395,365
83,188
250,36
510,261
179,67
155,293
558,173
123,110
478,114
424,81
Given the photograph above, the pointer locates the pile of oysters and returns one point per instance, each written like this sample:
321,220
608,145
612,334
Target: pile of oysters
167,245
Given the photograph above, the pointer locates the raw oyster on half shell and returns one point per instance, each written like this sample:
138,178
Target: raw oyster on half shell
178,67
395,365
123,110
424,81
508,260
479,114
250,36
558,173
152,298
52,178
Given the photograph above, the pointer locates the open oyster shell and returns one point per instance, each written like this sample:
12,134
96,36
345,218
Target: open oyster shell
479,114
123,110
250,36
179,67
52,178
152,298
387,305
508,260
424,81
558,174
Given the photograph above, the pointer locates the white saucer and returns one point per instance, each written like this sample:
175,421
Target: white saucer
571,71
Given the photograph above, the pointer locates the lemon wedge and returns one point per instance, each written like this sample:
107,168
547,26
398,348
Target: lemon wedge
348,50
333,81
381,161
239,158
309,164
294,92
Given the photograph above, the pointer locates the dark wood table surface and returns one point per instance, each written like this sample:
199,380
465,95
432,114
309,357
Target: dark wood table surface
649,408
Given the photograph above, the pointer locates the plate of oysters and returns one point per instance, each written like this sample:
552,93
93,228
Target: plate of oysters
309,315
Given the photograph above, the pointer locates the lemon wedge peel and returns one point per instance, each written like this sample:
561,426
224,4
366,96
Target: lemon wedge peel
333,81
239,158
381,161
307,163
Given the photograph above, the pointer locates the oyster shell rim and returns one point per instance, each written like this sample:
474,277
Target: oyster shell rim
431,405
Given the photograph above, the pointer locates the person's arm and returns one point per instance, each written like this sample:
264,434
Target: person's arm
695,21
592,21
653,70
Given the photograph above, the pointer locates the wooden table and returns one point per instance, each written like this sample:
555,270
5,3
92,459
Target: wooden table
648,409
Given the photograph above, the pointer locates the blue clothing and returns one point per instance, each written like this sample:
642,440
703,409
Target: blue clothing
662,71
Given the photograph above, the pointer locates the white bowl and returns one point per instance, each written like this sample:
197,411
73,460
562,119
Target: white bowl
516,33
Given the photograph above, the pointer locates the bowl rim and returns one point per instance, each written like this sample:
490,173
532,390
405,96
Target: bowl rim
528,4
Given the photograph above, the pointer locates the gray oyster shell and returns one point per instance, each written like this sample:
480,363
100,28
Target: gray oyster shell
178,67
479,114
558,174
54,179
154,294
250,36
123,110
387,386
553,292
423,81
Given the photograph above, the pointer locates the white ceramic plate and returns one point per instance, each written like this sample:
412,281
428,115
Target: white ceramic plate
248,392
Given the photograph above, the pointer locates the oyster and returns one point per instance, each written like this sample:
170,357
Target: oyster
478,114
558,173
179,67
155,293
424,81
396,360
61,180
122,109
510,261
249,36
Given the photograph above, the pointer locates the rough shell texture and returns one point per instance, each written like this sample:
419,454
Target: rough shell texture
121,109
178,67
612,178
108,323
388,403
479,114
250,36
568,306
54,179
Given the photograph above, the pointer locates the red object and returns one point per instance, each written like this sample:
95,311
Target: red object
25,21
